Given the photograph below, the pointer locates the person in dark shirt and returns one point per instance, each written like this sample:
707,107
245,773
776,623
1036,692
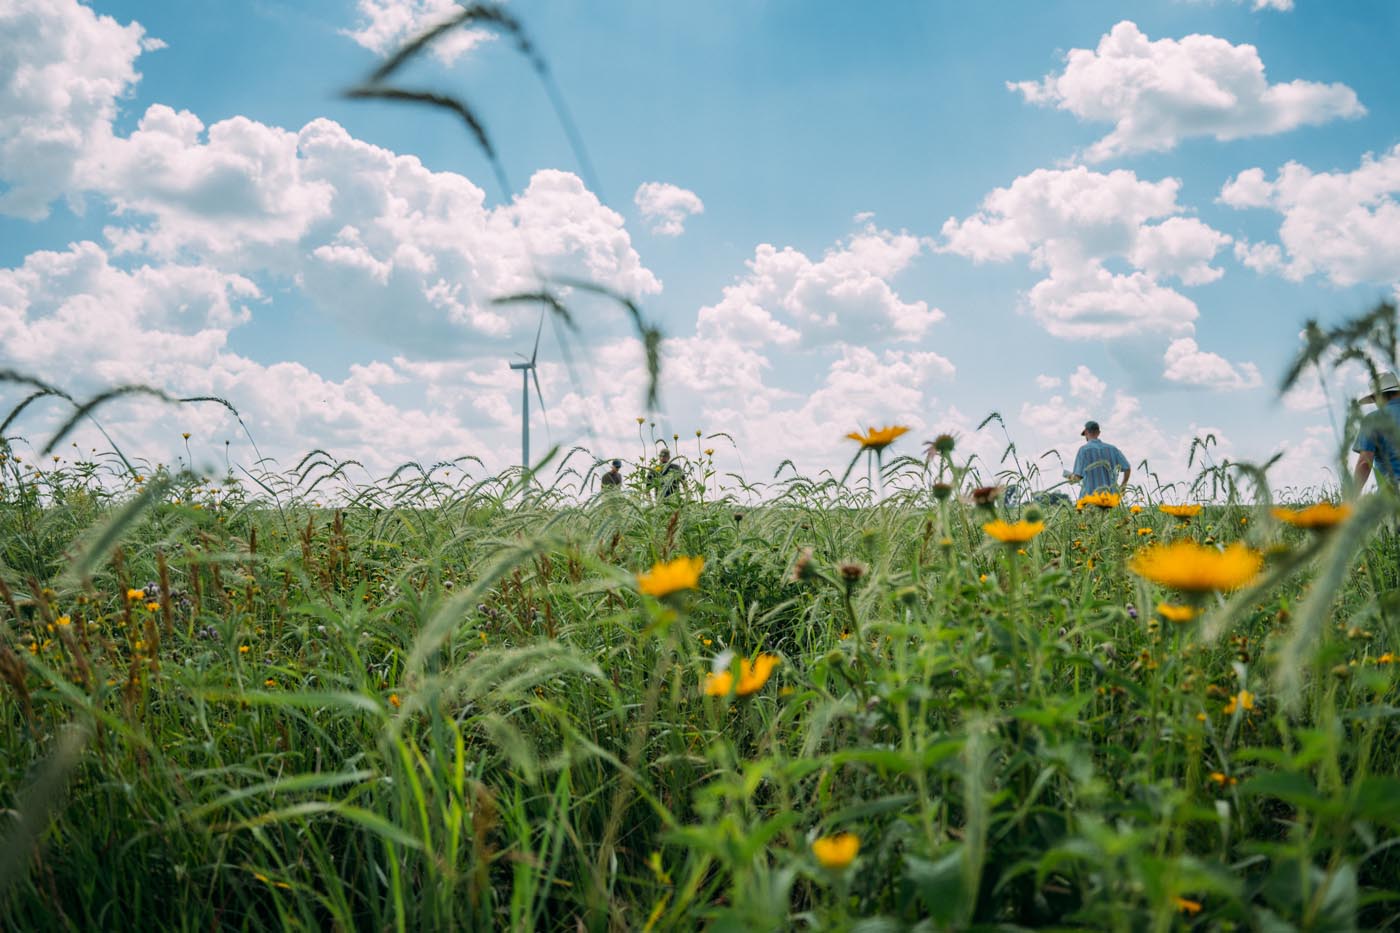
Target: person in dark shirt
613,478
668,478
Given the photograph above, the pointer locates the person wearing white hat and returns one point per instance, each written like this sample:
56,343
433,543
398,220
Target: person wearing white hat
1378,444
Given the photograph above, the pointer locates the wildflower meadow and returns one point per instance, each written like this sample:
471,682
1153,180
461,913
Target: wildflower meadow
928,693
455,702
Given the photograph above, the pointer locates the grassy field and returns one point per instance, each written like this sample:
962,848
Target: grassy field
442,706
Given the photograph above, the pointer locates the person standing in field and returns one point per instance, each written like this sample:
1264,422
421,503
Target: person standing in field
1378,445
1097,462
612,480
668,478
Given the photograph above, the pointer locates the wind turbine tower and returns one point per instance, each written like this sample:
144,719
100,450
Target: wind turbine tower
527,372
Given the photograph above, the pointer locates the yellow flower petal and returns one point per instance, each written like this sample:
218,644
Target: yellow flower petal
683,573
836,851
1009,533
1195,568
1318,517
878,438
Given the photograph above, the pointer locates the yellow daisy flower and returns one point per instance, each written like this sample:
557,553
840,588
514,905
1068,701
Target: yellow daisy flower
878,438
836,851
683,573
1103,500
1195,568
1182,512
1178,614
752,676
1318,517
1008,533
1188,906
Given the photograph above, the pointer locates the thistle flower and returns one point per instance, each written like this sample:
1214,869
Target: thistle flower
1009,533
985,497
1194,568
878,438
802,568
1320,517
836,851
752,676
683,573
852,571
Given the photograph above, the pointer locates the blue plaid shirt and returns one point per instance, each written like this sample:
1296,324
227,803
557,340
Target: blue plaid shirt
1379,431
1099,464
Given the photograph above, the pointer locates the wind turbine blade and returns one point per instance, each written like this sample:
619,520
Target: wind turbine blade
538,330
534,374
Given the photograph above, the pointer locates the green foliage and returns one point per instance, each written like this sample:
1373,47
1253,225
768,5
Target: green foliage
443,708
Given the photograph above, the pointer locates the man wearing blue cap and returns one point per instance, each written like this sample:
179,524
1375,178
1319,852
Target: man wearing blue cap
1096,463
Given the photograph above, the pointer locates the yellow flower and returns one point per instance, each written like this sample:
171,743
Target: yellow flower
1177,614
152,606
878,438
1183,512
1135,509
1318,517
1386,658
61,621
244,649
394,700
752,676
1188,906
683,573
269,682
134,595
1008,533
1194,568
186,435
1223,779
836,851
1242,700
709,451
1104,500
1144,532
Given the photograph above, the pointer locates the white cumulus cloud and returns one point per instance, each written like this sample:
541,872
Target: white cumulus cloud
62,70
1188,364
387,24
1343,225
666,207
1072,222
1157,93
787,298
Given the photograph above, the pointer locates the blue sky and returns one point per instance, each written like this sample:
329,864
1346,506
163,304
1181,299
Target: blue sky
1146,263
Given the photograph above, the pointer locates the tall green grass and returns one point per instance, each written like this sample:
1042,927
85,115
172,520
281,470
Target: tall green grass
447,707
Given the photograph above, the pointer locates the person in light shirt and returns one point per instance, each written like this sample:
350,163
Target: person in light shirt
1378,445
1097,462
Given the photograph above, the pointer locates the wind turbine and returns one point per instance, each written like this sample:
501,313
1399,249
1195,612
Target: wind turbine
527,372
